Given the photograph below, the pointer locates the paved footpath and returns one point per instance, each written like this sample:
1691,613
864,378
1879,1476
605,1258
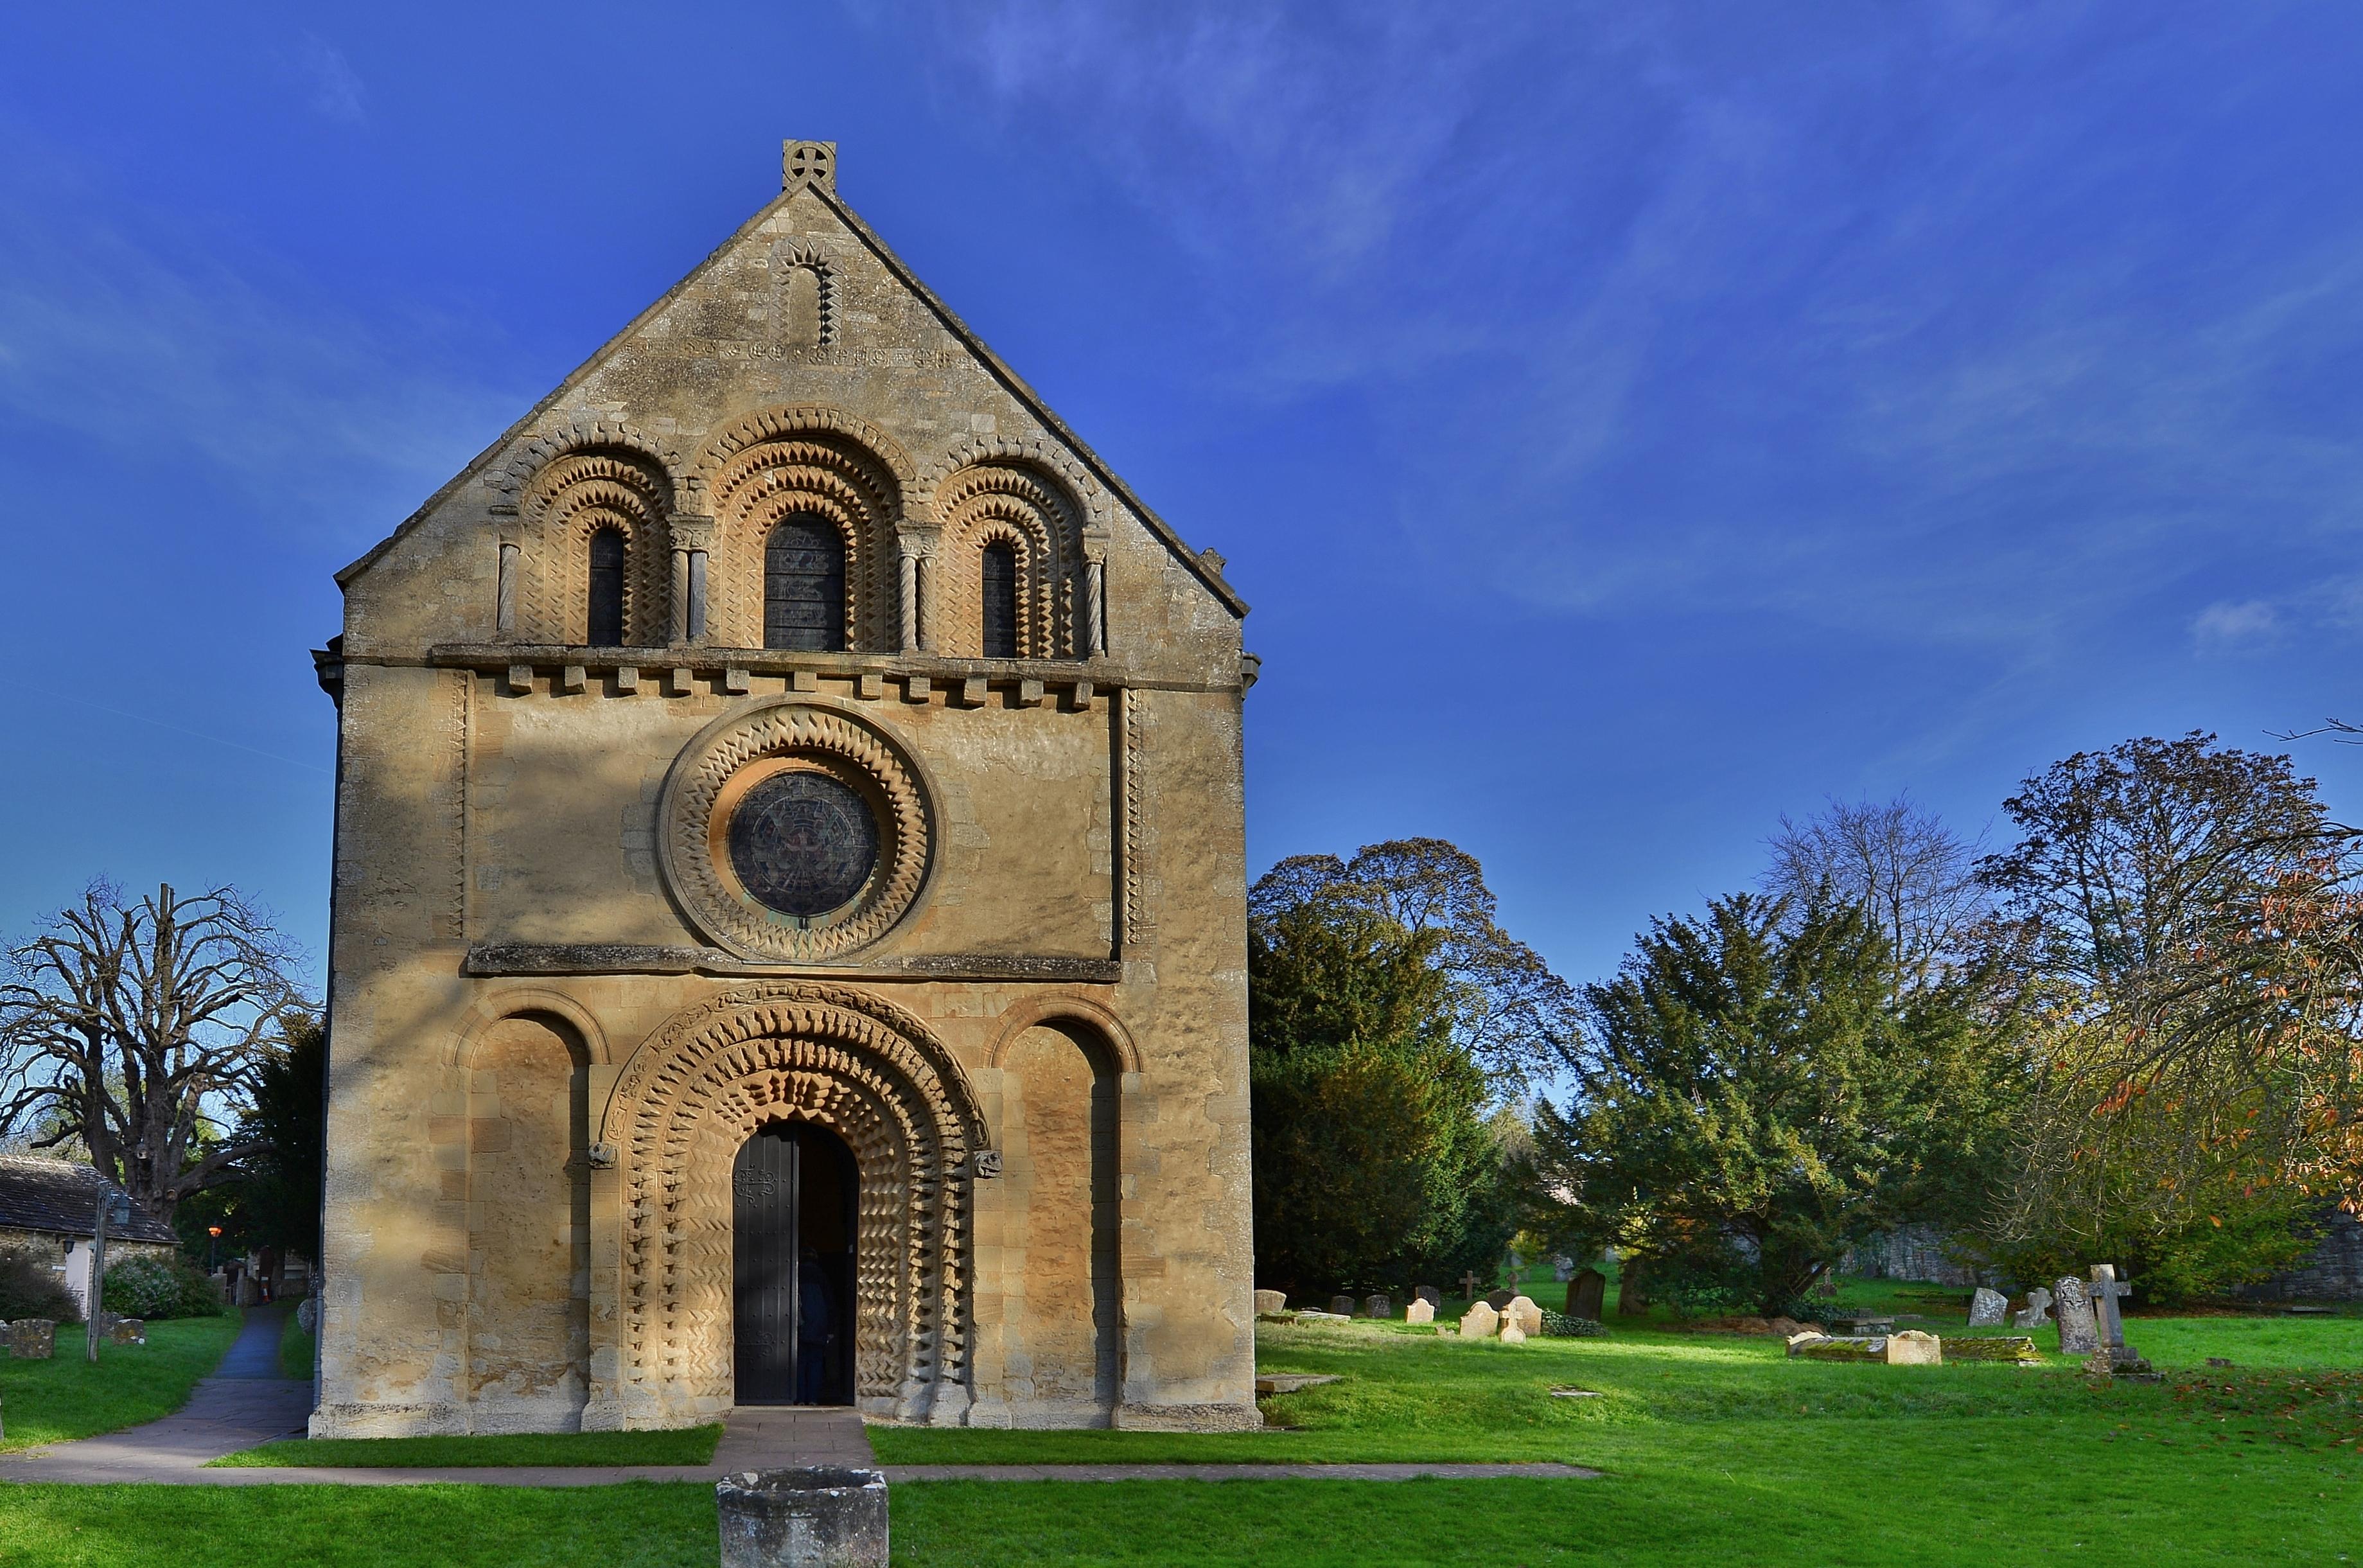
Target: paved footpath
246,1401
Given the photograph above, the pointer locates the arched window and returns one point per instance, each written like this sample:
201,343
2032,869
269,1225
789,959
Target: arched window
1000,584
606,616
804,586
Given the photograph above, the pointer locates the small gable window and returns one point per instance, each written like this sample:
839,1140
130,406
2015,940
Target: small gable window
804,586
607,589
1000,584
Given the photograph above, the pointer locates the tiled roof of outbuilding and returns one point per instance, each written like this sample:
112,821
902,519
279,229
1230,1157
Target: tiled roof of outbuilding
61,1198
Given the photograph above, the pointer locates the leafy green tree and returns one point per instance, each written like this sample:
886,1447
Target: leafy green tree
1374,1161
1754,1096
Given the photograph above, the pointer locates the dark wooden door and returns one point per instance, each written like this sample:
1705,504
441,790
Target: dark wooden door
792,1205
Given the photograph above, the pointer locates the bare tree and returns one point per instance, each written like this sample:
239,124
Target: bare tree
133,1027
1915,877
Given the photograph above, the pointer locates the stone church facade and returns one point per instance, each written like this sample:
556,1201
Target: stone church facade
789,930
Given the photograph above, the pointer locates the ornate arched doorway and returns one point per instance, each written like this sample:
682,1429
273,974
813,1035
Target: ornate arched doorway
788,1053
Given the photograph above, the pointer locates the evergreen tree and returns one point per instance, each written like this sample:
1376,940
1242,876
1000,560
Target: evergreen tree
1373,1160
1755,1096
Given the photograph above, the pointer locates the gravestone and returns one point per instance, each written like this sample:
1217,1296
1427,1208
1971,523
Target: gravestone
1513,1332
1270,1301
32,1339
2106,1289
1562,1270
1343,1306
1480,1322
1420,1311
1378,1307
1631,1299
1428,1294
1500,1298
2017,1349
1586,1293
2038,1310
1912,1348
1837,1347
2079,1335
126,1331
1988,1308
308,1316
1523,1311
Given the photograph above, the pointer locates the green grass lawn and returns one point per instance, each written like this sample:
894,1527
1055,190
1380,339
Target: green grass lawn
693,1445
1715,1450
65,1397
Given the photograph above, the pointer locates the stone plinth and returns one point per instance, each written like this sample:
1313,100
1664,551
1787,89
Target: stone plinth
817,1518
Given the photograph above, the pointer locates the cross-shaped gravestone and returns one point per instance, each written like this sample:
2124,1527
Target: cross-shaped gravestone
2104,1290
1469,1285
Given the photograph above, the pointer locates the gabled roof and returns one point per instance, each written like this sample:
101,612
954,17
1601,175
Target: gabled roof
1014,384
61,1198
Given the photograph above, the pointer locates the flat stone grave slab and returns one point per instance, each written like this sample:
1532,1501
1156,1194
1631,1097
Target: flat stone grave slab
1290,1382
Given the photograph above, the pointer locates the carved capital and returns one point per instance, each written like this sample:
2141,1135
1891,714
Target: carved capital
691,531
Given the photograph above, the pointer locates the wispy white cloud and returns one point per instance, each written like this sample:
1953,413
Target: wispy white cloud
332,88
142,342
2235,627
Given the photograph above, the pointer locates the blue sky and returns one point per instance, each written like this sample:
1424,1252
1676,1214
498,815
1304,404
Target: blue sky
1629,423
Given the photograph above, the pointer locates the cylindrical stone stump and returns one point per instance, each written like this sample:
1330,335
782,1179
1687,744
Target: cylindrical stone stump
824,1517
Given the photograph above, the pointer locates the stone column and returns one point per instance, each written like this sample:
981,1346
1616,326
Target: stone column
692,538
1094,608
506,600
908,601
917,540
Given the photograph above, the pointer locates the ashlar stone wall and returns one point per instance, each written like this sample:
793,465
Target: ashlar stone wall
555,1016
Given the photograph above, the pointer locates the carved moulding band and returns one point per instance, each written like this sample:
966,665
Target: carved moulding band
698,1088
701,781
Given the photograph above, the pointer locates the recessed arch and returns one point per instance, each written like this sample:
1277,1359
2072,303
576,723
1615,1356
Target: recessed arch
812,463
1045,1008
494,1003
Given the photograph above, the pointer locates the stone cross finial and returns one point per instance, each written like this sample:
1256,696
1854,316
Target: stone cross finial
2105,1291
808,163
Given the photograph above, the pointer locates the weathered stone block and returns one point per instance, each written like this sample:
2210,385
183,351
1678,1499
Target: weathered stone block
817,1518
1990,1348
32,1339
1835,1348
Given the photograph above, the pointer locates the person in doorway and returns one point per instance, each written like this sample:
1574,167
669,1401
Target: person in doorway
816,1328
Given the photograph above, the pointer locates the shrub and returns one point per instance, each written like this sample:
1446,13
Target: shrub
29,1289
1560,1326
148,1286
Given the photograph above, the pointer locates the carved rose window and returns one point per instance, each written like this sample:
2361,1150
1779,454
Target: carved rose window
802,843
